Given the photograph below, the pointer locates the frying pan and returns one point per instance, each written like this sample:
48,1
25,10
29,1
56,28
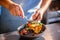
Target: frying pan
28,36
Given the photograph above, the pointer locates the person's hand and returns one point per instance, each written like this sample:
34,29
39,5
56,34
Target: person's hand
37,15
16,10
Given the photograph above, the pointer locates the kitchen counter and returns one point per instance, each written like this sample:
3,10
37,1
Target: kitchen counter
52,32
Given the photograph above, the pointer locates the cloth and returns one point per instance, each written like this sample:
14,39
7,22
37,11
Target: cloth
10,23
29,6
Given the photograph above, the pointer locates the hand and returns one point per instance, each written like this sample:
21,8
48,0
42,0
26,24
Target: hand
16,10
37,15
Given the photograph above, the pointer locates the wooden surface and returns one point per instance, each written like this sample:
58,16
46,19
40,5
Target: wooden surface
52,32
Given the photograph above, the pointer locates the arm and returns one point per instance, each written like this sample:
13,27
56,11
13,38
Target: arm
45,4
40,11
14,8
6,3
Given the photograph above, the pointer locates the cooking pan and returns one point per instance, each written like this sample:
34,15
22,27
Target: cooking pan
30,36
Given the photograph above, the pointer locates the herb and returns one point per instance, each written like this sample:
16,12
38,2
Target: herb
40,23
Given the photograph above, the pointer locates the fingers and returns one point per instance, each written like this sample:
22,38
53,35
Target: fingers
39,18
21,13
13,13
16,10
35,16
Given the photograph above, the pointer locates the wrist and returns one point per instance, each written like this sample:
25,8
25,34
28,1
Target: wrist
9,4
6,3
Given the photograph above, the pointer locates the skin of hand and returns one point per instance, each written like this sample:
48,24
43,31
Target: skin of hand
14,8
38,15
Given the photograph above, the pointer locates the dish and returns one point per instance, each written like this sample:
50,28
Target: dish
31,30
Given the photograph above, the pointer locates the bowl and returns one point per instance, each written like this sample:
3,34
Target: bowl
30,36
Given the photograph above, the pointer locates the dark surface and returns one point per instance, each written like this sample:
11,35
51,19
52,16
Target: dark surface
30,35
52,32
40,38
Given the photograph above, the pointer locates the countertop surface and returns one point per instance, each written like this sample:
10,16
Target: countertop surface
52,32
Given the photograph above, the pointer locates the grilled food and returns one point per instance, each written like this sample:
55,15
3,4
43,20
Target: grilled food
33,27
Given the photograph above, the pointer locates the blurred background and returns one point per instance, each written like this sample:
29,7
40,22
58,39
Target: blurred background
52,15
